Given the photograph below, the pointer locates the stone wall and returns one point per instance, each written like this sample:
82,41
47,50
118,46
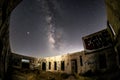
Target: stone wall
99,51
102,60
6,7
16,60
84,62
62,59
113,24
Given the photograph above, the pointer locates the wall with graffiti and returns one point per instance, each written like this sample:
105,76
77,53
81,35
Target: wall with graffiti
97,41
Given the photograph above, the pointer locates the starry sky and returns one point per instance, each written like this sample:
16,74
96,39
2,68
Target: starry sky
42,28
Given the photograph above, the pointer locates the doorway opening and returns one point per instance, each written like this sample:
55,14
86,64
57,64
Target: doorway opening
25,63
55,65
43,66
62,65
102,61
74,66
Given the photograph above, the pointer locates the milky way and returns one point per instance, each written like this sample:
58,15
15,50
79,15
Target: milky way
54,34
54,27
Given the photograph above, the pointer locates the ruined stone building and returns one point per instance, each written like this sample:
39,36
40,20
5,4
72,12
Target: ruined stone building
99,51
99,55
102,49
63,63
21,61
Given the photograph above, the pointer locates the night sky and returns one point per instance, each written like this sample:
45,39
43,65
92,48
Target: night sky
53,27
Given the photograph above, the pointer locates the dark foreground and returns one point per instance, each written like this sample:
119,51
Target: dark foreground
25,74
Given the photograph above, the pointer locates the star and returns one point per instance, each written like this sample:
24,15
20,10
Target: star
28,33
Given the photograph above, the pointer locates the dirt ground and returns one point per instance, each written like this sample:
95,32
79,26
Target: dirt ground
39,75
25,74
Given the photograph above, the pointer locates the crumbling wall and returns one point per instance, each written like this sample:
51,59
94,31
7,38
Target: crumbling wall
6,7
64,60
105,56
113,24
16,60
80,58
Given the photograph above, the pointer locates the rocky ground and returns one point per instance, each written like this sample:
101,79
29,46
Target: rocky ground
39,75
25,74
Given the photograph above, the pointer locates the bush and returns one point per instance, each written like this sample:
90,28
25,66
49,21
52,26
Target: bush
65,75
